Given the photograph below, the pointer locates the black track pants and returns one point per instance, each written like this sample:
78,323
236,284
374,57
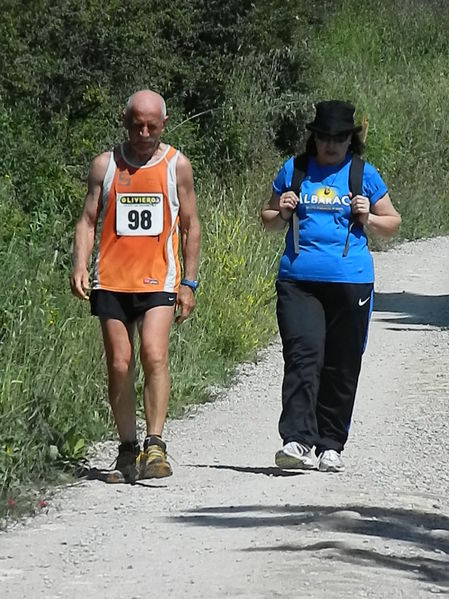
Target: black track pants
323,328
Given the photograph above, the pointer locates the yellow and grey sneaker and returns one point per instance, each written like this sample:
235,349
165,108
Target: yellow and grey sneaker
152,461
125,470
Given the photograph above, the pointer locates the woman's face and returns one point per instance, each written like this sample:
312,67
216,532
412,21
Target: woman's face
331,149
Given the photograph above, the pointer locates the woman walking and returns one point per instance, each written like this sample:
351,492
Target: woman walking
328,197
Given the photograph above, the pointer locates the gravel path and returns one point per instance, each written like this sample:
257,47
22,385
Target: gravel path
229,524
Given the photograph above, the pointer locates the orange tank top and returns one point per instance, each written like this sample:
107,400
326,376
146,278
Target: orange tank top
137,227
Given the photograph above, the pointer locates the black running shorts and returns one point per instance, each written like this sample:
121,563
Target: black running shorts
127,307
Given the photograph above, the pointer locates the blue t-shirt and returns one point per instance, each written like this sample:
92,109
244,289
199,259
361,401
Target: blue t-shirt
324,216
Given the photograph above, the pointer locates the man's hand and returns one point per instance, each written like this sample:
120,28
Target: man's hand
361,207
185,303
79,283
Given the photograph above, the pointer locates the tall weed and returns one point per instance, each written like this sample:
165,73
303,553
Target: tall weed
51,389
390,60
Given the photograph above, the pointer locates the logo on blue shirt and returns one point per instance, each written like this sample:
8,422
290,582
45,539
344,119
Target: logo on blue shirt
324,198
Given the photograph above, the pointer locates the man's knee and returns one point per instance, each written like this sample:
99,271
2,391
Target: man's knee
154,359
120,364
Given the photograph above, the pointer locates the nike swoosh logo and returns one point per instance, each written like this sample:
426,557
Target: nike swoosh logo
362,303
170,299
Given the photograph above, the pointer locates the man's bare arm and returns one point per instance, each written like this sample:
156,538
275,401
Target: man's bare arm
190,234
85,227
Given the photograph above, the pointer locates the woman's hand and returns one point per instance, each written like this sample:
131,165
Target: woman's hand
287,204
361,207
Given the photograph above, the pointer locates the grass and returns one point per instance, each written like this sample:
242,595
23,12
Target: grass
234,315
51,390
390,60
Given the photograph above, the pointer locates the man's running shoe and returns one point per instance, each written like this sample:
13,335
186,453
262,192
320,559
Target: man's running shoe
152,461
330,461
125,470
295,456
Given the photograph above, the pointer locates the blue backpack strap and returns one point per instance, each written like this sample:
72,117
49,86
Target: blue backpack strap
299,173
355,187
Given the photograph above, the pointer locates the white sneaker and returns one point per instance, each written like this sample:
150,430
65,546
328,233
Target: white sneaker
330,461
295,456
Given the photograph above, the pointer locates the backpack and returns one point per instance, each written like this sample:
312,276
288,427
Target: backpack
355,187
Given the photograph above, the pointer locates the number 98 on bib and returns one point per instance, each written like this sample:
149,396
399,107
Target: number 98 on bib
138,214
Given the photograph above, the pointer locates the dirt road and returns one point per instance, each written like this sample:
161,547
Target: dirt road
229,524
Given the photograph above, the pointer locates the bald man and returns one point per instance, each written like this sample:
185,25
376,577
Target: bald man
139,195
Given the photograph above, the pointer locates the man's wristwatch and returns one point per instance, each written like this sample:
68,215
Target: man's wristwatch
192,284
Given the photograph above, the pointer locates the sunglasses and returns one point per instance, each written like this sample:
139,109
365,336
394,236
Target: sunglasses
339,139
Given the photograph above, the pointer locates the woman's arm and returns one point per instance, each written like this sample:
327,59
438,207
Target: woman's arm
278,211
381,219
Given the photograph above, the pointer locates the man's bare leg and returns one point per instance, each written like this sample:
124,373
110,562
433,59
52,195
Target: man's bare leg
117,338
154,330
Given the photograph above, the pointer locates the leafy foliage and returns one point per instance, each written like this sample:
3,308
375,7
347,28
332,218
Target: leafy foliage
70,71
232,75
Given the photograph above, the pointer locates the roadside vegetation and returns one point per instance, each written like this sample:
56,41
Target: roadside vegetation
240,80
390,59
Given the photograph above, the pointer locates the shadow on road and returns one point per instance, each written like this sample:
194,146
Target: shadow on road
412,309
420,530
88,473
272,471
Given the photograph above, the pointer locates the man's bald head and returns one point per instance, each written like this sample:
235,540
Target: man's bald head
143,101
144,119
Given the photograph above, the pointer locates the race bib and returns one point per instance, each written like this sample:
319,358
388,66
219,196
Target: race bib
139,214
